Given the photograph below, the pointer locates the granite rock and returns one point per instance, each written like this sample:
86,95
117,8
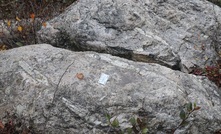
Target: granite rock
61,92
177,34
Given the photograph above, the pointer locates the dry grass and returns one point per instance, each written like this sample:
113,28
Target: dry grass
21,19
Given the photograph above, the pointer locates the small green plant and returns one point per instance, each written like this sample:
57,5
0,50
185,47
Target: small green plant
139,126
114,125
185,112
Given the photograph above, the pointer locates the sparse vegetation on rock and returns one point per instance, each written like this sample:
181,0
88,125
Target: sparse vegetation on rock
156,84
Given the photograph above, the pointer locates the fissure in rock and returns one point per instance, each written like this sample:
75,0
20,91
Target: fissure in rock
66,42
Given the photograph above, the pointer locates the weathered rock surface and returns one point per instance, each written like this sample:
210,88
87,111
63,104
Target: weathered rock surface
174,33
39,83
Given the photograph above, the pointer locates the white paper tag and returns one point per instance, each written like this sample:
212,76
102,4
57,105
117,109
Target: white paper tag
103,79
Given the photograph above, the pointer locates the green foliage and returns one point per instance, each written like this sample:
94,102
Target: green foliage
139,125
108,118
189,107
182,114
115,123
133,121
144,131
185,112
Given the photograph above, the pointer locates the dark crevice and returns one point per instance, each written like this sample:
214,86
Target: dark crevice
64,41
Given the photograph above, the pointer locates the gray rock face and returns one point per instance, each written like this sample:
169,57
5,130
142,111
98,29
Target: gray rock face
177,34
39,84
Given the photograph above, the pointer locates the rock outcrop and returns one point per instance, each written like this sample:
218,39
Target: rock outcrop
39,83
177,34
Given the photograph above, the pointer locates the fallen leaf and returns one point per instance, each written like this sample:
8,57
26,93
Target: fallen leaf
197,108
80,76
1,125
8,23
19,28
44,24
18,18
32,16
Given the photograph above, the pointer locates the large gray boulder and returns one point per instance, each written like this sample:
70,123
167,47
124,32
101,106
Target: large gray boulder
40,85
174,33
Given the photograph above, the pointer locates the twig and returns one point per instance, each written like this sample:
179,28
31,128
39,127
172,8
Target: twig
56,89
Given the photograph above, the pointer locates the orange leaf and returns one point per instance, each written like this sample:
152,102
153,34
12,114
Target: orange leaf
19,28
1,125
44,24
17,18
32,15
8,23
80,76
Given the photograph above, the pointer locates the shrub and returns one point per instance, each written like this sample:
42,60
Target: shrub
213,73
21,19
139,124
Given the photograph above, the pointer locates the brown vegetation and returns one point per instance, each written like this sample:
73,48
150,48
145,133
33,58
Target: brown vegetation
21,19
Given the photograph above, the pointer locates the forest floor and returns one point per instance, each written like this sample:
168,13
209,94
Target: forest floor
21,19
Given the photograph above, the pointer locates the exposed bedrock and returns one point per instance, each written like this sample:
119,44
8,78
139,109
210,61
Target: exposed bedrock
176,34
